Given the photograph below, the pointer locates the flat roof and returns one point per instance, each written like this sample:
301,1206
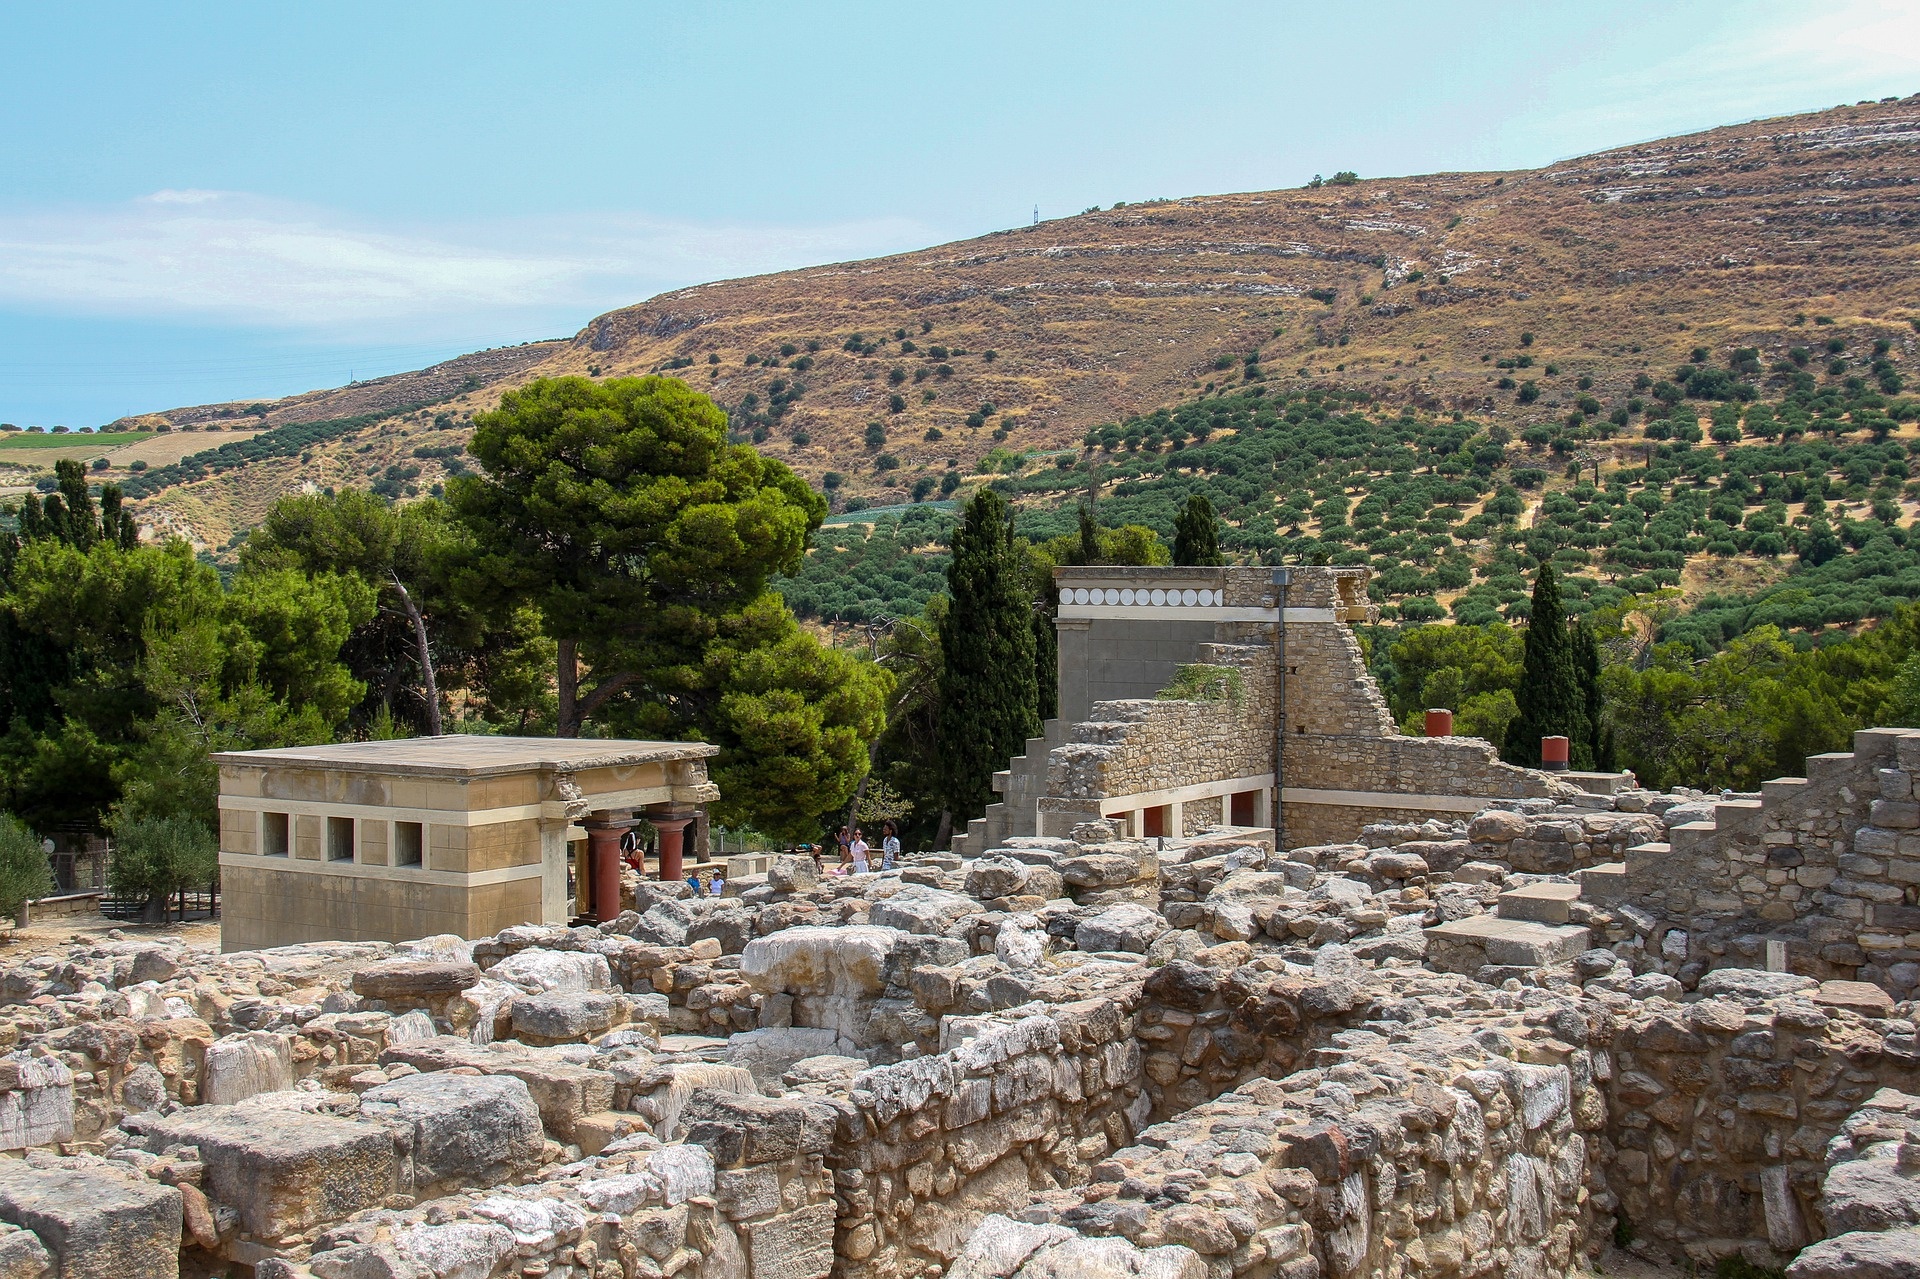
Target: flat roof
461,755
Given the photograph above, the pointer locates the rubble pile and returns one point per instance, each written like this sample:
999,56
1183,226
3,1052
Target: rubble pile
1450,1048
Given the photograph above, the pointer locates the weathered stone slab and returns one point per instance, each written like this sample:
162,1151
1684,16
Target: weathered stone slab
414,979
96,1221
283,1170
465,1130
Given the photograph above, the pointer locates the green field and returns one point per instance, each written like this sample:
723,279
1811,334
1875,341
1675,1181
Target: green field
105,439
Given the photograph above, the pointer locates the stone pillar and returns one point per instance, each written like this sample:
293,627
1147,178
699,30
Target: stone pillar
1440,722
603,862
672,826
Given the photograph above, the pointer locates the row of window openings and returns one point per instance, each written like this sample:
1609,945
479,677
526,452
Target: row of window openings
277,829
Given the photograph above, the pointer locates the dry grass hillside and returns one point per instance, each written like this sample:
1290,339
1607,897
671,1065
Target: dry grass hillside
1618,264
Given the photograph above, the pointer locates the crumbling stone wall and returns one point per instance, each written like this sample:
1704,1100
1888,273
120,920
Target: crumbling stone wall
1340,736
1139,746
1828,865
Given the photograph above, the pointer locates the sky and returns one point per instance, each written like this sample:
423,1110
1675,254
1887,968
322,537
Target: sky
208,201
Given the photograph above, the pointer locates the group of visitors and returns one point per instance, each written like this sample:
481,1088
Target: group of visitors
856,855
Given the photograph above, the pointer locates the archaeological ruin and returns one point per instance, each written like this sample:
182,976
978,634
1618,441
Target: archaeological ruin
1236,985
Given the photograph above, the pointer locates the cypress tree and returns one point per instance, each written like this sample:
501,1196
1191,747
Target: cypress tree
1195,537
1598,746
1550,697
989,691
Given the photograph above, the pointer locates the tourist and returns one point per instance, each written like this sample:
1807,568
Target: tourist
889,847
715,884
858,848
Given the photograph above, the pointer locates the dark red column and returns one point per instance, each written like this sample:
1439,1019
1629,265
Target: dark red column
673,842
603,861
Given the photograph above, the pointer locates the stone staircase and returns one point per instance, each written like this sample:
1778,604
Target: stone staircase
1020,785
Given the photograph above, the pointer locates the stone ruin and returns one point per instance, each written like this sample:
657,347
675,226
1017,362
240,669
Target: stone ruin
1446,1049
1474,1021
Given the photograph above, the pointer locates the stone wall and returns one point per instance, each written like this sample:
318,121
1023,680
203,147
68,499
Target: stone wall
1341,737
932,1145
1828,865
1141,746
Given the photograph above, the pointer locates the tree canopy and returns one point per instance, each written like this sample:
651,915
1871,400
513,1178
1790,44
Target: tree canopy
619,510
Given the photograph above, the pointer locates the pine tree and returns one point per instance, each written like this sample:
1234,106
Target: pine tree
989,691
1195,538
1549,695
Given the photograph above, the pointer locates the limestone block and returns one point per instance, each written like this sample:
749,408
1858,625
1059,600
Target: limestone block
37,1106
1752,985
1871,1194
283,1170
994,876
769,1053
459,1249
792,873
999,1246
919,909
1020,943
464,1130
846,962
794,1245
246,1065
563,1015
537,970
22,1255
399,979
563,1092
96,1221
1123,927
1894,1254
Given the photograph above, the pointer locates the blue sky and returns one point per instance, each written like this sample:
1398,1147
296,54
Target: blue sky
214,201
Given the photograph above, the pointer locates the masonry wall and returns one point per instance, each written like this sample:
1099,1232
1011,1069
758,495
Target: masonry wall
933,1145
1341,737
1828,865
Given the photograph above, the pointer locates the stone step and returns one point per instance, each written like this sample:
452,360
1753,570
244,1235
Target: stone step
1739,816
1603,885
1001,780
1465,945
1547,903
1646,859
1693,837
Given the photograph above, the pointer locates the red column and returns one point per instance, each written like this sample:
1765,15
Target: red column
673,842
1440,723
603,860
1553,754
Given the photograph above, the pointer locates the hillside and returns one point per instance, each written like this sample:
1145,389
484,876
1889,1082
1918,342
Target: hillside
1413,290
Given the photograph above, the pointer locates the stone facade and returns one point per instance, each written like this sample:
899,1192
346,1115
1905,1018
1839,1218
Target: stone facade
383,841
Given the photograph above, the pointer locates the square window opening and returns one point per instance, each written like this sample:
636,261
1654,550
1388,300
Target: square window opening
406,843
274,841
339,839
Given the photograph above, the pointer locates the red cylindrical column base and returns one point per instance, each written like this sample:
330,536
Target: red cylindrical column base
603,860
1440,723
673,843
1553,754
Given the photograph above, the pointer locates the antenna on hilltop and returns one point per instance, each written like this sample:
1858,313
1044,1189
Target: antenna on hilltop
1036,215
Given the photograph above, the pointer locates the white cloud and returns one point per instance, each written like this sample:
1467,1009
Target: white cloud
234,257
1725,64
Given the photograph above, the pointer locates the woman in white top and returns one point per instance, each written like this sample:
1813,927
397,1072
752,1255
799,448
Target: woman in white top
859,850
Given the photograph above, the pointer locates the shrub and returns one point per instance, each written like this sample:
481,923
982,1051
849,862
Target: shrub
23,865
876,434
154,857
1201,682
896,404
886,462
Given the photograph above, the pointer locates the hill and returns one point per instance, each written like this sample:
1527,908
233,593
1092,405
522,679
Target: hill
1510,298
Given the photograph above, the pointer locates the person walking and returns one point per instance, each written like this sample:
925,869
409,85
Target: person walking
889,847
858,848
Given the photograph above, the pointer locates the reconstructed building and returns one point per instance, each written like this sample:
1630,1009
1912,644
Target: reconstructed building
1302,743
383,841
